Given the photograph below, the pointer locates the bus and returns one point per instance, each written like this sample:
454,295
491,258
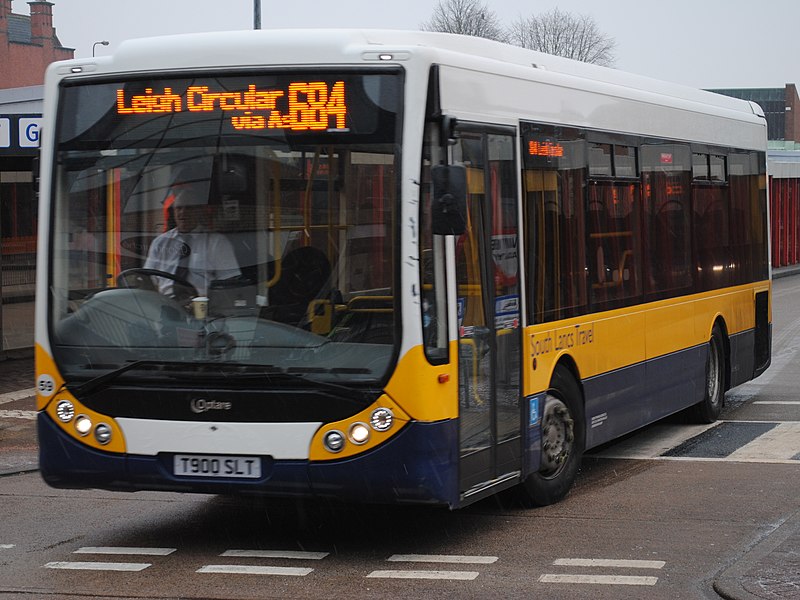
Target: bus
459,265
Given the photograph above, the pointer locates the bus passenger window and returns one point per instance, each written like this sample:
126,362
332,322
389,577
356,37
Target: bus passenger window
554,181
666,238
613,226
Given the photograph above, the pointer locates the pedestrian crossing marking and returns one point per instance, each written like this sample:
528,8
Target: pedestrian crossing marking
289,554
609,562
449,575
17,395
18,414
98,566
443,558
125,550
598,579
254,570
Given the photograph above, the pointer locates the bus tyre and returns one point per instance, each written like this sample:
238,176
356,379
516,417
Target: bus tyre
708,410
563,440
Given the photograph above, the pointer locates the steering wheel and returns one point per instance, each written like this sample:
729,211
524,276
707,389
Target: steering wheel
140,278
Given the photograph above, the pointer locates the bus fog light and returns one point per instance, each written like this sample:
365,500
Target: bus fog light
333,441
83,424
359,433
102,433
65,411
382,419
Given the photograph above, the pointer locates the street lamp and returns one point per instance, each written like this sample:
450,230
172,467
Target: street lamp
103,43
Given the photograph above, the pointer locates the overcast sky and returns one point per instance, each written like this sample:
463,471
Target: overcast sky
702,43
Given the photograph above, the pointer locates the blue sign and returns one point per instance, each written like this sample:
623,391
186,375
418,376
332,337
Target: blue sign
533,411
19,134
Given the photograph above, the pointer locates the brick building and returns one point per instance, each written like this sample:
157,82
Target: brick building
28,44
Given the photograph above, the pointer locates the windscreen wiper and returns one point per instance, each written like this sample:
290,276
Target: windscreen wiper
103,380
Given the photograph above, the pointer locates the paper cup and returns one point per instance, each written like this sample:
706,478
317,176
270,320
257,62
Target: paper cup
200,306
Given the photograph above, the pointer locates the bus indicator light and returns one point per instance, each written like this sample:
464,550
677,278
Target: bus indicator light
334,441
65,411
301,106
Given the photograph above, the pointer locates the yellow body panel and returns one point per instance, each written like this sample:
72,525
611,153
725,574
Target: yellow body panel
46,367
416,387
603,342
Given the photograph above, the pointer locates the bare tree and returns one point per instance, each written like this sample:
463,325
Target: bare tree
564,34
467,17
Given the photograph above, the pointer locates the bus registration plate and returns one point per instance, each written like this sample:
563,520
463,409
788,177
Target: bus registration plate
203,465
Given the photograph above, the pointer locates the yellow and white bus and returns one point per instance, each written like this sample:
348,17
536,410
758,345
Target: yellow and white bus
458,265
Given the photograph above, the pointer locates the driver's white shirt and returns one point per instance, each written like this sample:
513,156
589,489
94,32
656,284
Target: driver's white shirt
210,257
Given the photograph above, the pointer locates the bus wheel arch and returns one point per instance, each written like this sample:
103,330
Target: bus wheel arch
563,430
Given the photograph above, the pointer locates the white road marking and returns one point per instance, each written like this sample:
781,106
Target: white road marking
609,562
254,570
291,554
122,550
18,414
598,579
780,443
452,575
779,402
98,566
654,441
443,558
7,546
17,395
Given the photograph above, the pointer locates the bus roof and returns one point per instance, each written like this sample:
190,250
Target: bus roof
257,48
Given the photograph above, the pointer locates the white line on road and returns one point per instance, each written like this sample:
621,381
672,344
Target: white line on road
254,570
779,402
98,566
7,546
598,579
122,550
609,562
17,395
453,575
443,558
18,414
291,554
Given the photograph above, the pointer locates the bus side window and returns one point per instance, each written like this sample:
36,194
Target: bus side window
613,243
666,237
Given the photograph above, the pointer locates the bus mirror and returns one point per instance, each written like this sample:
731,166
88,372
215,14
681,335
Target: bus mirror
449,207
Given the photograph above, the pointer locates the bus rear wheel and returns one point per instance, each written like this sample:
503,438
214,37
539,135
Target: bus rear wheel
709,409
563,441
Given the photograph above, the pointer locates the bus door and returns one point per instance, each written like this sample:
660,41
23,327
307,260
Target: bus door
488,296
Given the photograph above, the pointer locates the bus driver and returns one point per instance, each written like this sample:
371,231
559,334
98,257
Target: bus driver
189,251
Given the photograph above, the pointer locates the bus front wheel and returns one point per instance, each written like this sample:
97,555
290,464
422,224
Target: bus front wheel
563,441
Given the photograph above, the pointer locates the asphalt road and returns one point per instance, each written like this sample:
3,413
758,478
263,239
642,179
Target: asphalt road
665,513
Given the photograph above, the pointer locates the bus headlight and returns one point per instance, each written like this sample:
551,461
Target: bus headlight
359,433
83,424
65,411
102,433
382,419
333,441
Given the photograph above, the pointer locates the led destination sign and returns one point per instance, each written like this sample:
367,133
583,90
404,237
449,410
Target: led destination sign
299,106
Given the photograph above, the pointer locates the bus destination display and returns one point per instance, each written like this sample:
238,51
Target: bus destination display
300,106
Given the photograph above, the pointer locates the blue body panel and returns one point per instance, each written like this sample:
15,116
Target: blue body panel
418,465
